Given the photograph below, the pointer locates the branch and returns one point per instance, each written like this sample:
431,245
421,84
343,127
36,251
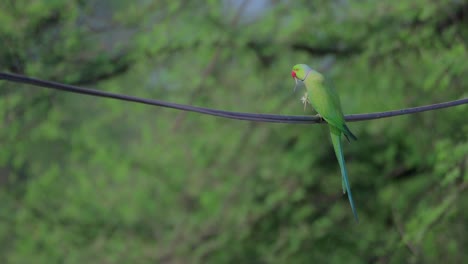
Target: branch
271,118
320,51
456,16
121,64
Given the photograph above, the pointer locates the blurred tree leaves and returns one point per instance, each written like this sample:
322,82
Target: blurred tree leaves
86,179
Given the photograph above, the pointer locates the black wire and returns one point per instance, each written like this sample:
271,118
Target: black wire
221,113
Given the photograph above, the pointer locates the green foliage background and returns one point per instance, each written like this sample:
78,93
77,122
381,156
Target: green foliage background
92,180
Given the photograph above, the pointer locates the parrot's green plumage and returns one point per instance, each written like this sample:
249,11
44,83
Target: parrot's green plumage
327,104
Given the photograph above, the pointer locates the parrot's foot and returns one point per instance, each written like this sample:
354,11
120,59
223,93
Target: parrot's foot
319,117
305,100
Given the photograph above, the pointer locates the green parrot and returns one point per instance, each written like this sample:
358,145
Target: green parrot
327,104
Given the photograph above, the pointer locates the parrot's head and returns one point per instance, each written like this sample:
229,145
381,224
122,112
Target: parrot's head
300,72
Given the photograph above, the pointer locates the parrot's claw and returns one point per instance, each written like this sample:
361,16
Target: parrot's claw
305,100
319,117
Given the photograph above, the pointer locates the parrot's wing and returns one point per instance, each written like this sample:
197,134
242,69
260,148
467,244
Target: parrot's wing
337,119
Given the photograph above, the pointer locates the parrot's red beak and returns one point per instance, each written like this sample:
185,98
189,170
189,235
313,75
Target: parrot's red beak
293,74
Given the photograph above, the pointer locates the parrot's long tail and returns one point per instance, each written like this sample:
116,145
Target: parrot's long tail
336,140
